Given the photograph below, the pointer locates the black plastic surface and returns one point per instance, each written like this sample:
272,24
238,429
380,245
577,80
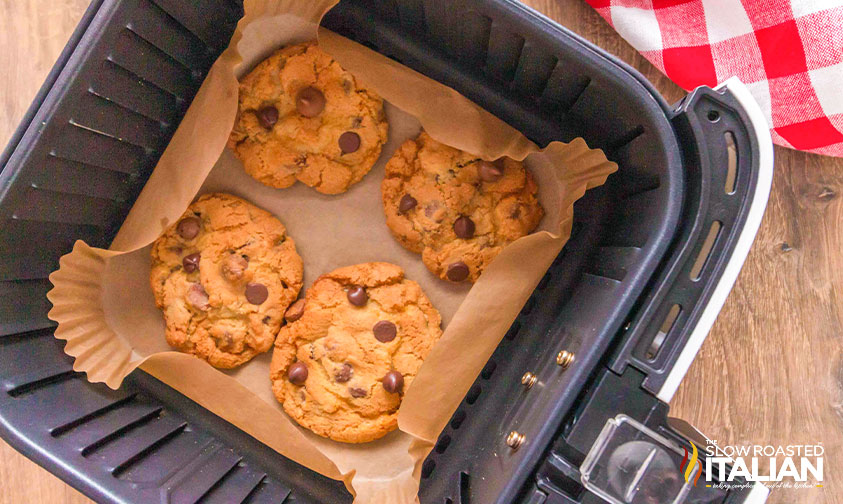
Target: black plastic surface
104,122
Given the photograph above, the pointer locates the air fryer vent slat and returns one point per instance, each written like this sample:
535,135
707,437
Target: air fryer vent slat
160,29
18,385
112,119
535,67
476,28
213,467
156,66
503,53
142,441
192,17
237,486
133,93
98,431
79,418
49,206
86,146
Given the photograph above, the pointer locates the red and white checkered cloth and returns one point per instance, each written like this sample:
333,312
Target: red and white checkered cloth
789,53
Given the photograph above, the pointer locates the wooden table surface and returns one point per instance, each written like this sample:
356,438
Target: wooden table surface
771,371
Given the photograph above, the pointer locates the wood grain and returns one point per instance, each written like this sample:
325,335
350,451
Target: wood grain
771,371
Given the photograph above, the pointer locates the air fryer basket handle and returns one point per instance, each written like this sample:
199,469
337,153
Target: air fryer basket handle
710,249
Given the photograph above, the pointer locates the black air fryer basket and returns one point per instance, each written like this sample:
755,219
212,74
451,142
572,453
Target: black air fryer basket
586,368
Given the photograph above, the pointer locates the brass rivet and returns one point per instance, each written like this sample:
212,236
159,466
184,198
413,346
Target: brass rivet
514,440
528,379
564,358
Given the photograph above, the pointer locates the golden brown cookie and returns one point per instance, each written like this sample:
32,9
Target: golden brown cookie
300,116
350,350
224,274
456,209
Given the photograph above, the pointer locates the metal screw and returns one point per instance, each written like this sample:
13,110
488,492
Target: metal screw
564,358
528,379
515,439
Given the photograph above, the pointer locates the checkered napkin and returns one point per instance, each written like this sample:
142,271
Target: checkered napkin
789,53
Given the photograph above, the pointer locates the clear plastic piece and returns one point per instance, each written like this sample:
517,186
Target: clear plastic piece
631,464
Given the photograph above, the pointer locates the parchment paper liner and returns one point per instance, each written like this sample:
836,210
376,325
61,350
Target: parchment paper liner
105,310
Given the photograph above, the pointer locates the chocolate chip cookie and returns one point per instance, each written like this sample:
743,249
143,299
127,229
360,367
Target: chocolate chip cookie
302,117
223,275
350,350
456,209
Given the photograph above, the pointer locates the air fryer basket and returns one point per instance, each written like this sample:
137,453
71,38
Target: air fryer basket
113,101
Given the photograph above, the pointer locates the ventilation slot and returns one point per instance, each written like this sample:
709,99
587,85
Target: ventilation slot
99,432
427,468
473,394
442,443
732,167
147,439
504,52
488,370
664,331
30,382
705,251
513,331
476,29
534,70
240,486
86,417
624,140
457,419
203,478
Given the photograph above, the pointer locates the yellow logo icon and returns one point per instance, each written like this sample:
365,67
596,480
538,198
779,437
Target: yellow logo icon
689,469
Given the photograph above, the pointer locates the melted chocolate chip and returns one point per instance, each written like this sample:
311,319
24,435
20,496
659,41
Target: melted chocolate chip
349,142
267,116
310,102
295,311
489,172
197,297
407,203
357,295
297,373
188,228
385,331
344,373
464,227
190,263
457,272
256,293
393,382
357,392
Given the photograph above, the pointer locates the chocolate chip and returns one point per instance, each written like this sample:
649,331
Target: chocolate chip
233,266
489,172
297,373
407,203
393,382
266,319
267,116
344,373
357,392
349,142
516,212
464,227
385,331
190,263
457,272
295,311
188,228
256,293
357,295
310,102
197,297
